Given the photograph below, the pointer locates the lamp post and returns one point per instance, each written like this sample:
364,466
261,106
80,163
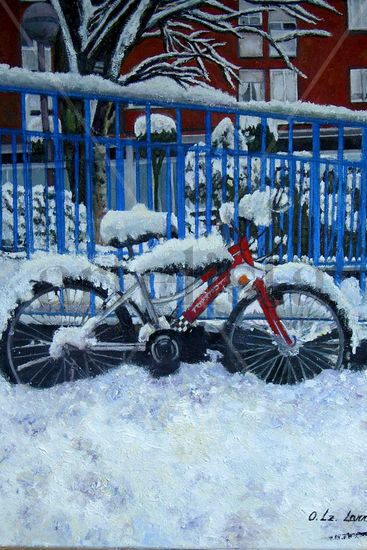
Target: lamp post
41,24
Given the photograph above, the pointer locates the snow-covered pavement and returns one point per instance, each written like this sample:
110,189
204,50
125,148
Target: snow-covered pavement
200,459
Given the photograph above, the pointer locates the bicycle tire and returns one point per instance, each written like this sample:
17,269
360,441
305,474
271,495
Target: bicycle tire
30,331
254,348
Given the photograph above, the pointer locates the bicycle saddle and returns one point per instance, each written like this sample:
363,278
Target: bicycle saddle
135,226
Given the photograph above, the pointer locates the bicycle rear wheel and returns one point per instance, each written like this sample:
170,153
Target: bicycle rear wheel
29,359
320,332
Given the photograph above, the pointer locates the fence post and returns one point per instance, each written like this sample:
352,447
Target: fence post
315,183
363,195
208,171
291,189
340,208
28,202
89,179
180,171
120,168
59,180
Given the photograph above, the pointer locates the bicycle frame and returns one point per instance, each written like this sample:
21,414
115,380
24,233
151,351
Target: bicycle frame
241,254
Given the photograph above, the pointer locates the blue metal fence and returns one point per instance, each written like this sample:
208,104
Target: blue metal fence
204,157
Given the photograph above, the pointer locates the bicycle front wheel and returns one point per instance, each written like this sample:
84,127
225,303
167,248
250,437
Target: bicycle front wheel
319,330
30,335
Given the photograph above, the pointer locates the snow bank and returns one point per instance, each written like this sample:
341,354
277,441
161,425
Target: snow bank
134,224
189,253
202,459
164,89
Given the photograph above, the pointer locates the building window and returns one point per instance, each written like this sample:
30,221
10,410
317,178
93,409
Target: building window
358,85
281,24
252,85
283,85
357,14
251,44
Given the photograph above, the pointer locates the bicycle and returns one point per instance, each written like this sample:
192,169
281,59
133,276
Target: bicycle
284,333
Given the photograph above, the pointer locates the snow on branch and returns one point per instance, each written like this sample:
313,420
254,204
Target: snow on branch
109,30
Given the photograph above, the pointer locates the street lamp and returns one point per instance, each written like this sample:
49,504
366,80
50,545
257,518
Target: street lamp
41,24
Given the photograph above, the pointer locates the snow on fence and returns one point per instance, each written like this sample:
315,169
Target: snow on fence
187,159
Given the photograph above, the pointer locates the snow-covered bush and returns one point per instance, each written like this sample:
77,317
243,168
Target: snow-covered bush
43,219
275,172
225,140
163,130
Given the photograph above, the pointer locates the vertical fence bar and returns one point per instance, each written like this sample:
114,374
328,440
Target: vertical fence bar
76,194
236,174
28,202
180,171
148,119
108,177
315,184
208,171
333,214
1,190
351,219
272,186
59,181
15,190
180,175
89,179
197,192
340,207
326,209
300,206
281,215
168,193
291,191
120,192
226,231
363,194
47,198
137,174
263,170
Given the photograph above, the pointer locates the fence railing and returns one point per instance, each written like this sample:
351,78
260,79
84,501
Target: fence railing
98,151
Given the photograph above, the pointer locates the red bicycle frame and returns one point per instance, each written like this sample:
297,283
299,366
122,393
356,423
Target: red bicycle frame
241,254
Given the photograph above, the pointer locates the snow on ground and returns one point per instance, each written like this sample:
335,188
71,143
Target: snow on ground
199,459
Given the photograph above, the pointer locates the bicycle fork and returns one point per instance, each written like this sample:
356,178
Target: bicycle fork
270,313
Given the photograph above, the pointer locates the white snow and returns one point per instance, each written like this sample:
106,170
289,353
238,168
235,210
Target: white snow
186,253
257,207
76,337
200,459
132,224
159,124
164,89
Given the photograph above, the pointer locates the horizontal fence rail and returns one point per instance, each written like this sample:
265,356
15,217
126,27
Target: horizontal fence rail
60,171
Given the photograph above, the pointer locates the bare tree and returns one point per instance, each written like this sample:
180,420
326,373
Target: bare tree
107,31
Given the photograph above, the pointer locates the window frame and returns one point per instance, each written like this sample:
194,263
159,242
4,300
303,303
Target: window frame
259,52
353,21
363,77
284,72
261,82
283,19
